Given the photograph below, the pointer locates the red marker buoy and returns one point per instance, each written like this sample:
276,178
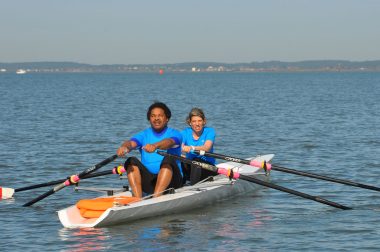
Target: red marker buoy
161,71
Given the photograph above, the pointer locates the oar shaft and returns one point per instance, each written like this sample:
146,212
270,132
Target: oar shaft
48,193
322,177
258,181
297,193
292,171
51,183
81,175
97,166
55,182
220,156
98,174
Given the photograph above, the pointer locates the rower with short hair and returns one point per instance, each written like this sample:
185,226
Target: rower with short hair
197,137
154,173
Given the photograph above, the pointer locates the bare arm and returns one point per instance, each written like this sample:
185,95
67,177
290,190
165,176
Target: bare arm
164,144
126,147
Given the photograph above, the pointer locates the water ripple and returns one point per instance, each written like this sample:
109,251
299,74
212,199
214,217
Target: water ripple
55,125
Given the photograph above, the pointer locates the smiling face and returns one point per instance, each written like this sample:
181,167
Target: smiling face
197,124
158,120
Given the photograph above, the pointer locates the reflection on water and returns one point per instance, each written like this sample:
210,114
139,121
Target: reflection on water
84,239
158,231
259,219
132,235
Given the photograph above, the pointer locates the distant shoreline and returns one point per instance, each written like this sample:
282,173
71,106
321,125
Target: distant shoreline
195,67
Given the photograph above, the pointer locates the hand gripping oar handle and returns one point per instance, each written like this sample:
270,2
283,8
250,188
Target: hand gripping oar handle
75,178
236,175
288,170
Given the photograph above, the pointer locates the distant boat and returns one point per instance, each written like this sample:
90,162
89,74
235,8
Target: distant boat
20,71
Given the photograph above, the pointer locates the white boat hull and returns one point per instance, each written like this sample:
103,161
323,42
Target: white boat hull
185,198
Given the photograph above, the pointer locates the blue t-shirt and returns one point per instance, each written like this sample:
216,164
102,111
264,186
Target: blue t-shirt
188,139
152,161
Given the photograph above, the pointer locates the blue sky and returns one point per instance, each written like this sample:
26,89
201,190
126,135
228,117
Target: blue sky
173,31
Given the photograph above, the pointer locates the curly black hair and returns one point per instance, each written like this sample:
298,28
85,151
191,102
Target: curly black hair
161,105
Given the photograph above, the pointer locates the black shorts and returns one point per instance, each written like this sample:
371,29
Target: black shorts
149,180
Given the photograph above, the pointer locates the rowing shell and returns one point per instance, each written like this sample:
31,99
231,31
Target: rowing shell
183,199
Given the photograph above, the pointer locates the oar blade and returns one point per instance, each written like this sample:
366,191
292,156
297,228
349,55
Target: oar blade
6,193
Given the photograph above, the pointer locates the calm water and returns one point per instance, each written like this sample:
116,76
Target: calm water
55,125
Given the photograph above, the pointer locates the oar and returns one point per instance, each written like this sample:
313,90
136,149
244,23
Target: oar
8,193
73,179
236,175
288,170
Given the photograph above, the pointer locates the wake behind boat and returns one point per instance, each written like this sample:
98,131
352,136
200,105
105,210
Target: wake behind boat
178,200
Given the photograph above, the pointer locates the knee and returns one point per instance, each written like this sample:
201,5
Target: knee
130,163
166,166
167,162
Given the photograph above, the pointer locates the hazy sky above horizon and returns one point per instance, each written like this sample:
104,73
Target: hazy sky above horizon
174,31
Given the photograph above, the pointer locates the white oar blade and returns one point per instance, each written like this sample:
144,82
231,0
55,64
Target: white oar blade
6,193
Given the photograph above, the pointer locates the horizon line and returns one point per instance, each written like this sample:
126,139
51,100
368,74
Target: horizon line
191,62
